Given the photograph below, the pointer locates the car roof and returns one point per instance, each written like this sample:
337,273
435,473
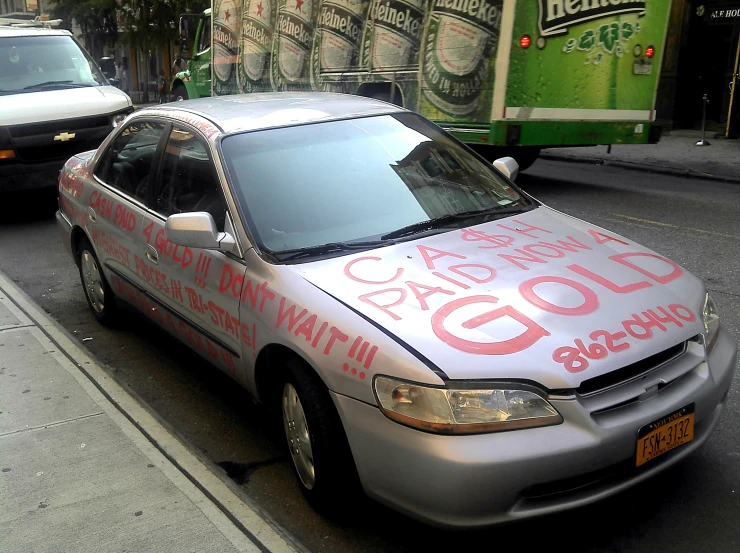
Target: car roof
31,31
249,112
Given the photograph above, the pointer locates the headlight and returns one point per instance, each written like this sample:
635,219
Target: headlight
711,323
118,118
463,411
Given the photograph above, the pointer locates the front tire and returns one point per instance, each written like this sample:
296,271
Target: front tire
317,444
98,293
179,93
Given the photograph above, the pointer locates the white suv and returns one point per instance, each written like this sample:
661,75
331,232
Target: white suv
54,103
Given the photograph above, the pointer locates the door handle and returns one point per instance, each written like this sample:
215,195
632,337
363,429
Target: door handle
91,215
151,253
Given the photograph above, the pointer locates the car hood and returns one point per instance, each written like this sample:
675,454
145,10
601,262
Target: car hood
538,296
50,105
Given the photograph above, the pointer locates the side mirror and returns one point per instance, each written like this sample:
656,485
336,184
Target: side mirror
183,29
198,230
508,166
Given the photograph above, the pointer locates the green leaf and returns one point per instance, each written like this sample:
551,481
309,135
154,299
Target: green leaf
627,30
609,36
569,45
587,40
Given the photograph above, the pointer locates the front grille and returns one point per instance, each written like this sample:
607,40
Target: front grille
51,152
47,127
39,142
608,380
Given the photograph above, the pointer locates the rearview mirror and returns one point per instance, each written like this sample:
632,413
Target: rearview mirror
198,230
508,166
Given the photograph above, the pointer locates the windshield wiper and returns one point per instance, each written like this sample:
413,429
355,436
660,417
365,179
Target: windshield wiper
54,83
444,220
333,247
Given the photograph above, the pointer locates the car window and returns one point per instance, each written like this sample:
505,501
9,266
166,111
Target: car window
45,62
188,181
205,36
356,179
128,163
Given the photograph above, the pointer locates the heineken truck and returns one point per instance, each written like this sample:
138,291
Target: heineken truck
508,77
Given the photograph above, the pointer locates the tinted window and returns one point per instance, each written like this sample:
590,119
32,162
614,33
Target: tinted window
205,36
348,180
45,62
188,179
128,163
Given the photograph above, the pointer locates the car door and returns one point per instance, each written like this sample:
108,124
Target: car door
118,205
191,277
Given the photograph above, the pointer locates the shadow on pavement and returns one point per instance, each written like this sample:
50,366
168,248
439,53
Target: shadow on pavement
28,205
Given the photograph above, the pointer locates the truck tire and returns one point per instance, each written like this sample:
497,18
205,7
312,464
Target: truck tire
179,93
525,156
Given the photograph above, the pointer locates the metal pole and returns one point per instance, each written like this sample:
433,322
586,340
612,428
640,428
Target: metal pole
703,141
392,98
732,90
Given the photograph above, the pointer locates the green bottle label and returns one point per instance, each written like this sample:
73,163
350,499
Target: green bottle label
291,45
336,47
459,46
258,22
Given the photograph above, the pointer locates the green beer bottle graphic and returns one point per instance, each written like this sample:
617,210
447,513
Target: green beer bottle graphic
390,45
253,67
225,45
290,63
336,46
458,51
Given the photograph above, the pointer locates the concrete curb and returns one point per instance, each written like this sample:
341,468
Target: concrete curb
187,467
636,166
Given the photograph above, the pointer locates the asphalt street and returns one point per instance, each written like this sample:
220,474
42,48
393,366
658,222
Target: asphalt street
693,506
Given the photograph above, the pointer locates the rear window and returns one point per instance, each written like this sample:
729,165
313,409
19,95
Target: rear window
45,62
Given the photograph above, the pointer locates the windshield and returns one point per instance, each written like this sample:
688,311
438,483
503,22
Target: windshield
357,179
45,62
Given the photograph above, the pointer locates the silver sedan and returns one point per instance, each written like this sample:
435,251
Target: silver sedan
430,333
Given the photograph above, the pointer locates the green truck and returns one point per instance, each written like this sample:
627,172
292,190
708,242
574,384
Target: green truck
507,76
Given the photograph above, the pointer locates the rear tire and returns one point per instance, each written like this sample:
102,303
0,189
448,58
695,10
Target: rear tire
317,444
179,93
98,293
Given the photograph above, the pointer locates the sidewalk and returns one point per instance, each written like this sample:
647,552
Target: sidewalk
84,467
675,154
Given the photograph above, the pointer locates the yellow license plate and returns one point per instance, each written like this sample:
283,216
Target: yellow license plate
665,434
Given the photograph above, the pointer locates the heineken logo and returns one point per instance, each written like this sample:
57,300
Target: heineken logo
476,11
342,23
225,37
398,16
256,33
556,16
296,29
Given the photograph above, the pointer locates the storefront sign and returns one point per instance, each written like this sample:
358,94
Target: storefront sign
722,14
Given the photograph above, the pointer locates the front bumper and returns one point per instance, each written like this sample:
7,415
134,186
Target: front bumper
468,481
65,232
26,176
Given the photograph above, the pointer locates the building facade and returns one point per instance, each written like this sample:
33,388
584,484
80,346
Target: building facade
701,58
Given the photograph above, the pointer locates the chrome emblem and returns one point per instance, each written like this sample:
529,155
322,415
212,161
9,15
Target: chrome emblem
63,137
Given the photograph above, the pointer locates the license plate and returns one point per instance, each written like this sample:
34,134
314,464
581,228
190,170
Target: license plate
639,68
665,434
